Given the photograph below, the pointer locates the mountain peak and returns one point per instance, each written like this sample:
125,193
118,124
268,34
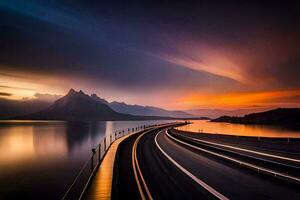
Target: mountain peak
71,91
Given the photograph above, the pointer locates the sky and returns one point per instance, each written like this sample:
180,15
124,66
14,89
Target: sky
211,55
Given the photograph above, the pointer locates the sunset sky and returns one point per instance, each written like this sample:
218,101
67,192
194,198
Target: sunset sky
171,55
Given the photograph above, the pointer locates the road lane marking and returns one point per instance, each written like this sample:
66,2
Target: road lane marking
136,166
276,174
239,153
246,150
136,169
193,177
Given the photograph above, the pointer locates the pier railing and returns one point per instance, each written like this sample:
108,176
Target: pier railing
82,180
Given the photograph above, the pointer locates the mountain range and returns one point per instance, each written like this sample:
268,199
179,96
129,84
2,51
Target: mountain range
25,108
147,110
77,106
142,110
80,106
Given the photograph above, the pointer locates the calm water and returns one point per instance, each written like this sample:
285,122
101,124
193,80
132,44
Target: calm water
240,129
39,159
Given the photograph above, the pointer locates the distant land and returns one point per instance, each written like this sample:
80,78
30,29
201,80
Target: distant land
280,116
80,106
215,113
17,108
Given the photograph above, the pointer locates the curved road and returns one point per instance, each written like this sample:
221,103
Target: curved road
153,165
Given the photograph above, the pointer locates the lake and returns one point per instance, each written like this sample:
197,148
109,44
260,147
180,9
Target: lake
40,159
240,129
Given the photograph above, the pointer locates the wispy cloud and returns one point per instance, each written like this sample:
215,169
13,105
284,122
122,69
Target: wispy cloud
18,88
13,75
47,97
6,94
216,66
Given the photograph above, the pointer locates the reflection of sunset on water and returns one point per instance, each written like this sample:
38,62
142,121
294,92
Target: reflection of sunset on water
51,143
16,144
239,129
25,143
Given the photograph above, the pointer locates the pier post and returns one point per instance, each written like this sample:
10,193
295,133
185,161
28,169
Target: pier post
92,161
99,150
92,164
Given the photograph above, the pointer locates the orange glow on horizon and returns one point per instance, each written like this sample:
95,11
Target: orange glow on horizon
281,98
25,85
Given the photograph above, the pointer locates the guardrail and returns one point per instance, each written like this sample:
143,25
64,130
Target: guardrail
81,181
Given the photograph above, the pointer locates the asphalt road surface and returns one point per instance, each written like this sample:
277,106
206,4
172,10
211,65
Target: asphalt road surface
157,165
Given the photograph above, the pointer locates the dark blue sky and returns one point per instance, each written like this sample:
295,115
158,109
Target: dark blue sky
151,53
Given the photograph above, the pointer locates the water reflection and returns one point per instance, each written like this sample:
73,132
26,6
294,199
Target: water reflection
240,129
16,144
84,132
49,141
39,159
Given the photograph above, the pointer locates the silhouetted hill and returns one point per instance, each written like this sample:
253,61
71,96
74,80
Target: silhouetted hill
147,110
80,106
280,116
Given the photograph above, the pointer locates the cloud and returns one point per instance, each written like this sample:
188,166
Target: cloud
47,97
213,64
125,49
19,88
5,94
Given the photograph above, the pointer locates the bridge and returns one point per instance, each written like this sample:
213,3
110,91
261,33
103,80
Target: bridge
160,162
